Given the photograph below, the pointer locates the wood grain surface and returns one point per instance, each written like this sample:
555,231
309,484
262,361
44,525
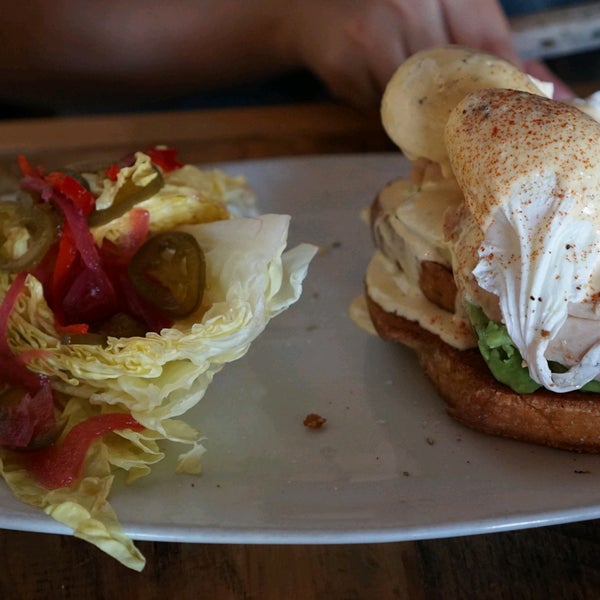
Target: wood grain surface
553,562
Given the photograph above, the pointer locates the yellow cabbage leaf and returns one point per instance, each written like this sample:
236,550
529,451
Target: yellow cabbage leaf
250,278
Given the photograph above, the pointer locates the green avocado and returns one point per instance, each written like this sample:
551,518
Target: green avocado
504,359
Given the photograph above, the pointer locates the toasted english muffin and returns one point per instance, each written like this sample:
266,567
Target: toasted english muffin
473,397
487,259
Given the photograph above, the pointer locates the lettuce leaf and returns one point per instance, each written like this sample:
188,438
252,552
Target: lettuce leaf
157,378
189,195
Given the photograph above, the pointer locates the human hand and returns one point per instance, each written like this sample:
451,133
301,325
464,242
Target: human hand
354,46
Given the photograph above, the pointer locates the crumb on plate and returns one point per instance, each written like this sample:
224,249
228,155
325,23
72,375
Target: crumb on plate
314,421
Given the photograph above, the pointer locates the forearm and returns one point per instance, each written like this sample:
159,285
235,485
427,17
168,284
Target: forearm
80,51
136,46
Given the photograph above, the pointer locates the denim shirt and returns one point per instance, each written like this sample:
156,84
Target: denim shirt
521,7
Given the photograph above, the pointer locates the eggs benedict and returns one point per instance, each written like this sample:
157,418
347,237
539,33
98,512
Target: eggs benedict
486,259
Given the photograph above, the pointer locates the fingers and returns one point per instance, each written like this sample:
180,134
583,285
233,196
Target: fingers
430,23
421,26
362,51
482,25
355,46
393,30
487,28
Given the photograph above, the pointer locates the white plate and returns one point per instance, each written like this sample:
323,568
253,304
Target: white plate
389,464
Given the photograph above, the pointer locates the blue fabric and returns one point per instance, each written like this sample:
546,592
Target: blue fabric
521,7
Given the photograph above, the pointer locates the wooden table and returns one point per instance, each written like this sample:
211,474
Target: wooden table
552,562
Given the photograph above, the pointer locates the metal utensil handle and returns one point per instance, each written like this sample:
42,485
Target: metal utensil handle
557,32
